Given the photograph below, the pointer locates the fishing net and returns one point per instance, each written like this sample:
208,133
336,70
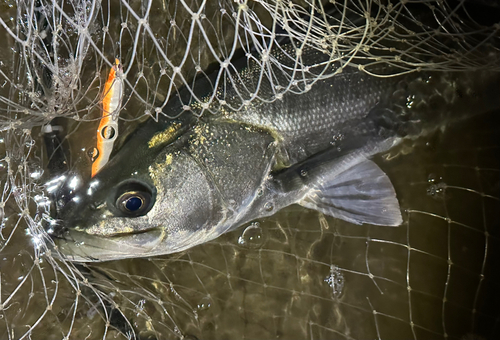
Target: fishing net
297,274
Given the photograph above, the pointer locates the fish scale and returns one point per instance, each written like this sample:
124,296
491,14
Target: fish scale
337,112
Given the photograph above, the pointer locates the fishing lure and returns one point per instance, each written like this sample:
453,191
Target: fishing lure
108,127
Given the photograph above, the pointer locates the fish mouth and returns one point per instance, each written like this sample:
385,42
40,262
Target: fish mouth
79,246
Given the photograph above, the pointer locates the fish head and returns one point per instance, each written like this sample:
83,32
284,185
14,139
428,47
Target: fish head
161,205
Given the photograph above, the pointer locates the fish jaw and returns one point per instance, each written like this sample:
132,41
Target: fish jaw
89,245
80,246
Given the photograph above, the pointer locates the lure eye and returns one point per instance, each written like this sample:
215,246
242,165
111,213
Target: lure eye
133,199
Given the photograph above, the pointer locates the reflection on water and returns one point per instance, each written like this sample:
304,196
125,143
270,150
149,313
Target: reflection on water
295,275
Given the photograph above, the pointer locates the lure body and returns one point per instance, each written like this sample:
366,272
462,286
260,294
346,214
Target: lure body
107,131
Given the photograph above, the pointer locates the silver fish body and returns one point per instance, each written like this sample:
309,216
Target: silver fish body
197,178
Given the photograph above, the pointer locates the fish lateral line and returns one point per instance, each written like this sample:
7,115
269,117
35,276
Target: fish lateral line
107,132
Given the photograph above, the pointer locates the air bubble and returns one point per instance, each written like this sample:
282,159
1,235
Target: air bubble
433,178
269,206
338,137
410,100
437,186
436,190
204,304
252,237
303,173
336,281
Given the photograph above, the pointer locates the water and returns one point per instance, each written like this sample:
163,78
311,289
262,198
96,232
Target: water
297,274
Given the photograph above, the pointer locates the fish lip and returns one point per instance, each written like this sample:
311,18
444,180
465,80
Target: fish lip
95,230
78,246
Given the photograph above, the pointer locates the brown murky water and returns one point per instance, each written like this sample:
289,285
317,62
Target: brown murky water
295,275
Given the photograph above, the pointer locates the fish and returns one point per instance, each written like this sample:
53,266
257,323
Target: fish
181,182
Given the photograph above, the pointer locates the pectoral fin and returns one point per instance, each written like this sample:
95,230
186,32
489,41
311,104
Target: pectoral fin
361,194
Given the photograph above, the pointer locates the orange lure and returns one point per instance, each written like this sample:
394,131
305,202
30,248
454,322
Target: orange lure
108,127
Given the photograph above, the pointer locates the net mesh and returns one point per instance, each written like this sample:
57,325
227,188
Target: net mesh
298,273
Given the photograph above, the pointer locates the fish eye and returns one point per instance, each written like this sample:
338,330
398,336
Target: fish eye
133,200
